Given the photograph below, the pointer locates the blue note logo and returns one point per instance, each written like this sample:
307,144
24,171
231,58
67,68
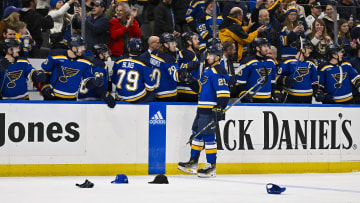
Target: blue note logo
157,119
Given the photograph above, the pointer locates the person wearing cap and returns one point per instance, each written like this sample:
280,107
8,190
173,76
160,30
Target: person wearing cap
315,13
291,31
11,18
7,3
35,22
61,20
96,25
122,29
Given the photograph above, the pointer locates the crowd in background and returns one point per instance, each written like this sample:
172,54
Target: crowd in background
43,25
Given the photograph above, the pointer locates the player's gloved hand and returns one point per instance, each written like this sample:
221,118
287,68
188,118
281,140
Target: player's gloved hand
319,96
218,113
4,63
276,96
109,99
185,76
328,99
290,82
247,98
192,65
232,80
47,92
38,76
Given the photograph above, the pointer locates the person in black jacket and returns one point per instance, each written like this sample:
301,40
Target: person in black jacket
96,25
164,19
36,23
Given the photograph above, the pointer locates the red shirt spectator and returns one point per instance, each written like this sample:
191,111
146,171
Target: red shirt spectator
123,28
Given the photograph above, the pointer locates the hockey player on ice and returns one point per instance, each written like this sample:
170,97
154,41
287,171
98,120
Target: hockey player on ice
214,96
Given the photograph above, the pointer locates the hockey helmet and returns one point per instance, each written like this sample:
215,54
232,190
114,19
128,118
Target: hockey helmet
187,36
213,42
333,49
100,49
166,38
76,41
135,45
304,43
215,50
258,42
10,43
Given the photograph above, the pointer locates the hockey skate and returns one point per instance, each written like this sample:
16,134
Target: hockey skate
208,171
189,167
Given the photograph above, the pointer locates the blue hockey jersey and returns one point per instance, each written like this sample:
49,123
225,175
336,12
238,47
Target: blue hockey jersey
337,81
165,74
99,69
133,79
66,73
252,70
194,12
305,74
184,57
13,80
213,88
206,29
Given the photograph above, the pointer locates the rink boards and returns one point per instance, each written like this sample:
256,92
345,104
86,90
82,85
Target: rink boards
40,138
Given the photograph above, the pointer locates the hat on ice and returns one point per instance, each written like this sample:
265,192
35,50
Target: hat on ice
160,179
120,178
274,189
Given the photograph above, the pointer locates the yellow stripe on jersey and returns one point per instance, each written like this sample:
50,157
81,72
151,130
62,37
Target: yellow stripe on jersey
262,97
250,62
343,100
325,67
223,95
166,95
59,57
206,106
24,61
85,61
160,59
198,148
65,97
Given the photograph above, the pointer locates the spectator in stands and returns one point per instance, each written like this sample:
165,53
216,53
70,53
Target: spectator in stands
164,19
231,30
344,39
96,25
231,4
264,17
61,21
11,18
329,19
315,13
7,3
292,30
319,39
347,11
43,7
36,23
154,43
180,8
122,29
27,43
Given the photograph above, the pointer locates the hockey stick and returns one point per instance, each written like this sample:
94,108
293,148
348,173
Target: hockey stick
261,82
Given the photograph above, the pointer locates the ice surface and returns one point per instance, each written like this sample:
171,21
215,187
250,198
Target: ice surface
337,187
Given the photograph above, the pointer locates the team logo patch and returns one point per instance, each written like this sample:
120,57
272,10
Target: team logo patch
67,72
302,71
13,76
262,72
339,79
204,80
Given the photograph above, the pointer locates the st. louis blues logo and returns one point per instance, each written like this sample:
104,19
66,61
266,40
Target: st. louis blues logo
13,76
262,72
67,72
302,71
338,77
